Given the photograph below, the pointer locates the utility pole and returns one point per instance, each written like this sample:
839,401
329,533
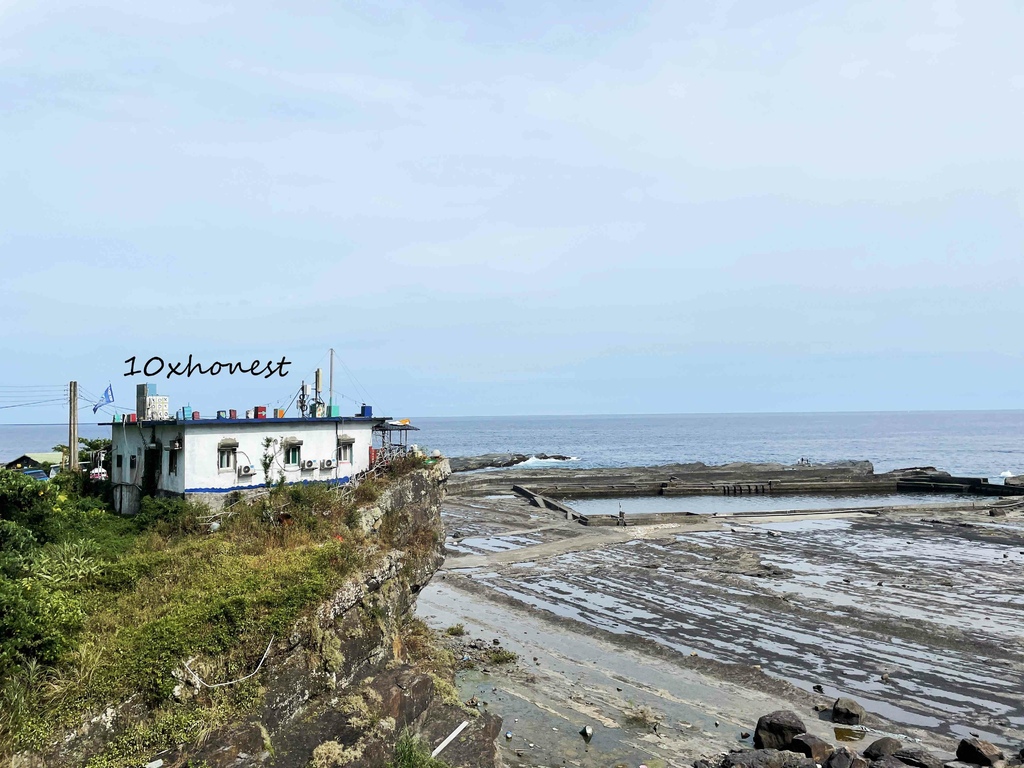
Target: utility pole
330,401
73,426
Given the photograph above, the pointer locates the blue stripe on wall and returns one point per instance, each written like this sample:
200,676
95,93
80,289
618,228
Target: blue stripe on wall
338,481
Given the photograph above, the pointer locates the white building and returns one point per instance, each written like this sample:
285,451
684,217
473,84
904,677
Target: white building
206,459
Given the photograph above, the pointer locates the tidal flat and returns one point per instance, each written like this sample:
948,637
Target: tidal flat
708,623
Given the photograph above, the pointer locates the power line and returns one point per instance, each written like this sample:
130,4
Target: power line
36,402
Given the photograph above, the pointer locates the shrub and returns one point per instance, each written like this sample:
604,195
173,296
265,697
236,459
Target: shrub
403,465
456,630
367,491
26,501
167,516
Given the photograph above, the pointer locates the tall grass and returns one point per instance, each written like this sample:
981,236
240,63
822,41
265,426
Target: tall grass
111,607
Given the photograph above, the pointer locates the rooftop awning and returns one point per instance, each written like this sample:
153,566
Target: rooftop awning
227,443
292,441
345,439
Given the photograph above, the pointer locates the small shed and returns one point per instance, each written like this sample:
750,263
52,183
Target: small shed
35,460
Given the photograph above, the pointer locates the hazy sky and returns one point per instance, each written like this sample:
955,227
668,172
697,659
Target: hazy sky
518,207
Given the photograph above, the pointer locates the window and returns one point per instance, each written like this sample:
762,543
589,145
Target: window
133,462
120,461
293,454
345,453
172,463
226,459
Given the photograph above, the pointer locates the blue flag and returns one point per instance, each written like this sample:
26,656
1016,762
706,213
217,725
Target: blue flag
108,397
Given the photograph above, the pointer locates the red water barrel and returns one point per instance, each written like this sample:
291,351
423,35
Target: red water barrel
195,415
261,411
232,413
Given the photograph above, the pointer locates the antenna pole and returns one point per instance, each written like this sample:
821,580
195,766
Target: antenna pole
331,385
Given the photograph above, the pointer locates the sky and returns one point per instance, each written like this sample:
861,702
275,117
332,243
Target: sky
501,208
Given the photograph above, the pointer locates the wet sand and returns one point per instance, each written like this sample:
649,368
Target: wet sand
937,608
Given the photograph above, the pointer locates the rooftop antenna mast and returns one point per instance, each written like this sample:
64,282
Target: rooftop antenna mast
330,400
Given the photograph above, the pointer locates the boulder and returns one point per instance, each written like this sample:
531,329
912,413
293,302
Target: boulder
978,752
766,758
777,729
811,746
847,712
882,747
917,757
887,761
844,757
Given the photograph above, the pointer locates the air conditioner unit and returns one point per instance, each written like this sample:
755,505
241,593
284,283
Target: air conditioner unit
327,464
244,470
309,464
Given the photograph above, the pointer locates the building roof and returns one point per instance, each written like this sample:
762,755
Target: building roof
49,457
192,423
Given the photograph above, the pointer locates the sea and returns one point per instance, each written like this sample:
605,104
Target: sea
977,443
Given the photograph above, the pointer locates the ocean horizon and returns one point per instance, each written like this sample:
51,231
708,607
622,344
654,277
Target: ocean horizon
981,443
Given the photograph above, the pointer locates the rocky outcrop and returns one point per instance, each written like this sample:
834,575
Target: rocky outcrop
777,729
486,461
847,712
340,684
978,752
500,460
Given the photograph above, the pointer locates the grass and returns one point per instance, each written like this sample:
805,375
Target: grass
456,630
501,656
117,605
411,752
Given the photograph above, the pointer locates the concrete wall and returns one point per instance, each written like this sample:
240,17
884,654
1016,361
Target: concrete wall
319,441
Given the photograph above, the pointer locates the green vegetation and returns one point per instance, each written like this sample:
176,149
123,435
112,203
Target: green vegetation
95,607
411,752
86,450
501,656
456,630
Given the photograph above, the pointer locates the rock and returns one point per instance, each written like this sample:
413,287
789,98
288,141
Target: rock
817,689
887,761
587,733
978,752
766,758
882,747
997,512
917,757
553,457
777,729
486,461
813,747
847,712
844,757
